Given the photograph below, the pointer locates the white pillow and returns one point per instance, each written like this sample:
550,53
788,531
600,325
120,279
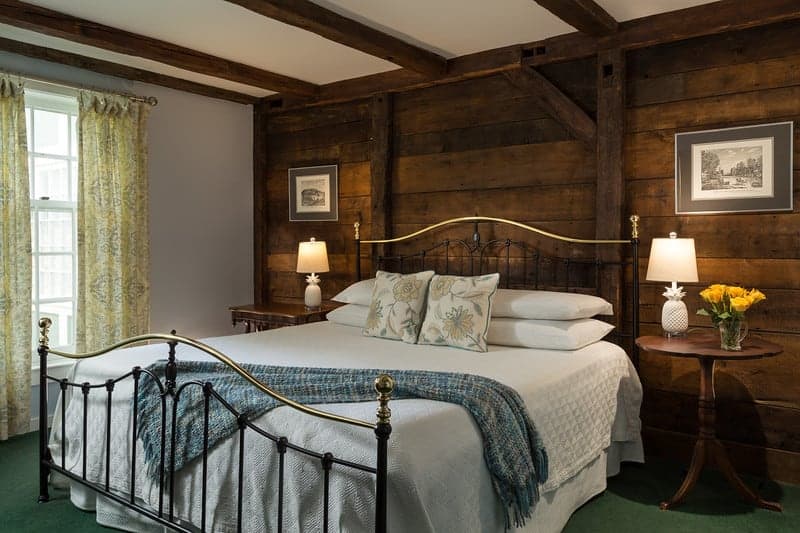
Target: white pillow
547,334
548,305
359,293
349,315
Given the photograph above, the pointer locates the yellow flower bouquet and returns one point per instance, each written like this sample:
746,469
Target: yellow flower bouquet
727,306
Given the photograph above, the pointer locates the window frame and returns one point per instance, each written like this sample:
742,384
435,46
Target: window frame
43,97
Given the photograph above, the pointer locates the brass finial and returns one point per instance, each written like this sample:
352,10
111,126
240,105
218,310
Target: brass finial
634,226
44,328
357,225
384,385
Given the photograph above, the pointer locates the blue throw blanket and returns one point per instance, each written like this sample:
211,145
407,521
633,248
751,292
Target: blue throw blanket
513,451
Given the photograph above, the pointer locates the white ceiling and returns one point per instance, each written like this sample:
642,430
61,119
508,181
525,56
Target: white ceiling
448,27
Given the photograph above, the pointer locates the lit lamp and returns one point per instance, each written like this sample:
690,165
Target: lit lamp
673,260
312,257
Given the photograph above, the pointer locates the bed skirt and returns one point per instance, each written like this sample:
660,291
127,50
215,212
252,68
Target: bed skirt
550,515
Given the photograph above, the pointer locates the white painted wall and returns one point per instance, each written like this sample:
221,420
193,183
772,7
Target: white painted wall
201,211
201,202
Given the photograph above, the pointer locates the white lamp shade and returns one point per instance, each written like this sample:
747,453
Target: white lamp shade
672,259
312,257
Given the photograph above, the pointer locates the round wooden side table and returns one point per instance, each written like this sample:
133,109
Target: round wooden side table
708,449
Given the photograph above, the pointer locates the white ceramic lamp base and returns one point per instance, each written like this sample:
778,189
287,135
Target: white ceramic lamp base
313,296
674,318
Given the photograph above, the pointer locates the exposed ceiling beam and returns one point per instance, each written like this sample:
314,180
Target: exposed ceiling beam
706,19
583,15
555,103
697,21
121,71
83,31
331,25
475,65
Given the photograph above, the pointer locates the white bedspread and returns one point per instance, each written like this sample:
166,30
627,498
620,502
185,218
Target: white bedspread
579,401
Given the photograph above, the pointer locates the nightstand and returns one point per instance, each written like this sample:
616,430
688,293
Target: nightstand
708,449
273,315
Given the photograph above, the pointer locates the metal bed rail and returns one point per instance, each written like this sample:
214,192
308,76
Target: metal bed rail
170,390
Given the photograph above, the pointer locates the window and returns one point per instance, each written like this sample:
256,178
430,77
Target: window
53,167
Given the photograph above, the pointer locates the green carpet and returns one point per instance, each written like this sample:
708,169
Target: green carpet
629,505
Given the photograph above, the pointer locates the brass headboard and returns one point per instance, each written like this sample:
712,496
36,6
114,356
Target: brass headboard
521,265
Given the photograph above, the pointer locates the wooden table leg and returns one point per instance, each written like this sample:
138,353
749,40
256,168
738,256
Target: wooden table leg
709,449
695,467
724,463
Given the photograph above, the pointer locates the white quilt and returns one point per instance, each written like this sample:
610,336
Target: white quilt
580,402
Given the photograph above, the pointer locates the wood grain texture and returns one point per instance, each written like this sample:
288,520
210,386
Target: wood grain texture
555,103
49,22
734,79
583,15
610,196
524,165
260,201
477,147
343,30
381,133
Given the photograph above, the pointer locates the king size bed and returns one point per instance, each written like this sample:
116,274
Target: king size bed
302,467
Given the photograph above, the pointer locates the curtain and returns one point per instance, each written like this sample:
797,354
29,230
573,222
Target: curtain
113,241
15,266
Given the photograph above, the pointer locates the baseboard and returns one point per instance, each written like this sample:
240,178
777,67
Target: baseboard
770,463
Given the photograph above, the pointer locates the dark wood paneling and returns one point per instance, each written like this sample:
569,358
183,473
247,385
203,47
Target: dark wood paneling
546,203
482,146
726,81
554,163
381,133
260,201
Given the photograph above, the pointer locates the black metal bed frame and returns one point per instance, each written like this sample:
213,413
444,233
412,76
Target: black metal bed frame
479,258
166,474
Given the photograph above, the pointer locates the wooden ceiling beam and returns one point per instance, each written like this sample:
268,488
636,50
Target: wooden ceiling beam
583,15
477,65
338,28
121,71
697,21
49,22
555,103
717,17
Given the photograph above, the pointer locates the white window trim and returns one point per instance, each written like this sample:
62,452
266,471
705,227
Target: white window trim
47,97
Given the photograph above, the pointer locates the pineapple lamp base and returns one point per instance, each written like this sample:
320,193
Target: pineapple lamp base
674,315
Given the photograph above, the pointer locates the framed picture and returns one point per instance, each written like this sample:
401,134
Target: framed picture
314,193
730,170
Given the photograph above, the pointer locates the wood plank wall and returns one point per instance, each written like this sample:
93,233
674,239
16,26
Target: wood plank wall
337,134
481,146
735,79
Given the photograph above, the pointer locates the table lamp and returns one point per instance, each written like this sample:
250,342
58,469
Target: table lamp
673,260
312,257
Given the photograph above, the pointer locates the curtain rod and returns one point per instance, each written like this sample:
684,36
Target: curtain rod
150,100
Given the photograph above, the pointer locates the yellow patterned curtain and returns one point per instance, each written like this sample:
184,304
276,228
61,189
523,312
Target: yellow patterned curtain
15,267
113,240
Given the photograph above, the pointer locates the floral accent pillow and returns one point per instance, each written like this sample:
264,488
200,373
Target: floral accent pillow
397,305
458,311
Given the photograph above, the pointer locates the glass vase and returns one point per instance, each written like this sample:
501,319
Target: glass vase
731,334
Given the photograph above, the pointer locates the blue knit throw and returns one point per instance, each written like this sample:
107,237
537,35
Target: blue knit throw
512,449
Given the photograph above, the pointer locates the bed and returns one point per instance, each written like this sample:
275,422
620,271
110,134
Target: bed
428,475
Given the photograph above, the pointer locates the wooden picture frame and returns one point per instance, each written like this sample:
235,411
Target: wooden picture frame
734,170
314,193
